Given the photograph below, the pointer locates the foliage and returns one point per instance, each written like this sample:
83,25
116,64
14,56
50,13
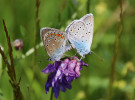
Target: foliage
20,19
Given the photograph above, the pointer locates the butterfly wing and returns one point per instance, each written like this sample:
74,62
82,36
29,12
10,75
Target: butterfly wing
77,35
80,34
89,22
54,42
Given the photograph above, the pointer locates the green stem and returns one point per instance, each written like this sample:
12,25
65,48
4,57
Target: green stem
37,28
114,58
88,6
51,97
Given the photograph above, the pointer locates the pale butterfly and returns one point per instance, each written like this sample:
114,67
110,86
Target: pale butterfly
80,34
54,42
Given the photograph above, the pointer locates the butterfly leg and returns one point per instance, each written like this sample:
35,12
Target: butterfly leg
82,57
68,47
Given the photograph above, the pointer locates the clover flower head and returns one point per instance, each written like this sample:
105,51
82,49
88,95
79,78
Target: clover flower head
62,73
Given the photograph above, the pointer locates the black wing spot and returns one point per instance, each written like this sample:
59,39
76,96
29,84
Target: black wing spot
81,50
78,28
75,34
82,41
86,33
47,45
83,29
89,23
89,32
55,39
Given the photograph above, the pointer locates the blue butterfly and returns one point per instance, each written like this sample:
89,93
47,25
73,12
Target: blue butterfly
80,34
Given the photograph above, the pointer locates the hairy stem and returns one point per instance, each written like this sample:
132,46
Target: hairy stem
10,51
11,71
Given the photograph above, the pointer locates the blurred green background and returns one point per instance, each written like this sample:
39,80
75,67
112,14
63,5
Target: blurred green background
93,84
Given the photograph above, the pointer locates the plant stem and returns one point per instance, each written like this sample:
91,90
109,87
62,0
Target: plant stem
11,71
88,6
10,51
51,97
37,28
6,62
116,45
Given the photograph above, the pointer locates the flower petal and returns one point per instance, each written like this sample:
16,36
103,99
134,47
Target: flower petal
71,65
83,64
49,82
51,67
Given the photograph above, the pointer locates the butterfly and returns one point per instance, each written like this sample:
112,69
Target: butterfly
80,34
54,42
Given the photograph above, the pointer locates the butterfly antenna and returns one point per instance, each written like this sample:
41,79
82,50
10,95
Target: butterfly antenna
97,56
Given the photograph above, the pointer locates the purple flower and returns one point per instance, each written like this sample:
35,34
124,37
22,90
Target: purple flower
62,73
18,44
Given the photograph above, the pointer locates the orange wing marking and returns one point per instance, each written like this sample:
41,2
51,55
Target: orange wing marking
58,35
